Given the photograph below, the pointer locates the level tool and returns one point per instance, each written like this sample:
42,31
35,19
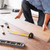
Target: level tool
30,35
12,43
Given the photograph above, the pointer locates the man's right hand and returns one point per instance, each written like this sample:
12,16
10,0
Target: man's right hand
17,17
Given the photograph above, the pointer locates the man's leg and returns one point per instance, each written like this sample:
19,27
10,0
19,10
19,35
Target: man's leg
41,18
27,12
26,7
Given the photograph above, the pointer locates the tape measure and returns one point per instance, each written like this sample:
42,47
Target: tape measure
30,35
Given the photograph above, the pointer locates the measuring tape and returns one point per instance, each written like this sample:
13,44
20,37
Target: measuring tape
30,35
18,33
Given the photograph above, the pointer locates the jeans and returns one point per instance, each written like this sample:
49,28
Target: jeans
26,8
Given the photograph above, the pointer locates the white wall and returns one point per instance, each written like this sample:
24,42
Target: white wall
12,4
16,4
0,3
6,2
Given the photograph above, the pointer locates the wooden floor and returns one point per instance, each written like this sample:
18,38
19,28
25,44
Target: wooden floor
21,26
30,44
28,27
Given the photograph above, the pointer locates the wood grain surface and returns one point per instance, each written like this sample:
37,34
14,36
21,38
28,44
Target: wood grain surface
30,44
29,27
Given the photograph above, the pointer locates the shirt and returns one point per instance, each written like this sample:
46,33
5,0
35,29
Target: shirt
43,5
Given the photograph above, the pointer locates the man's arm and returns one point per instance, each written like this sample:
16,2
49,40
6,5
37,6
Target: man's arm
47,17
20,12
46,9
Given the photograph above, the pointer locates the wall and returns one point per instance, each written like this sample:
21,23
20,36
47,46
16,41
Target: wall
15,4
12,4
1,3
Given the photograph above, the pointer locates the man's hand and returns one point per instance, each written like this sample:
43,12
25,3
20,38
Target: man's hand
44,27
17,17
47,17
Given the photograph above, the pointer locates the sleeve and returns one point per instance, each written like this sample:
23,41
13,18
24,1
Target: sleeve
23,0
46,6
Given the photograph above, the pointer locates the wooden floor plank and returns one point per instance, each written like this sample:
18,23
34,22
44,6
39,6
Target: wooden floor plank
30,44
4,47
28,27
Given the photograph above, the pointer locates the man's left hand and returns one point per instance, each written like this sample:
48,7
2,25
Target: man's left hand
45,27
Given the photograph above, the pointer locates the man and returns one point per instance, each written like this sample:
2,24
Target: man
42,6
